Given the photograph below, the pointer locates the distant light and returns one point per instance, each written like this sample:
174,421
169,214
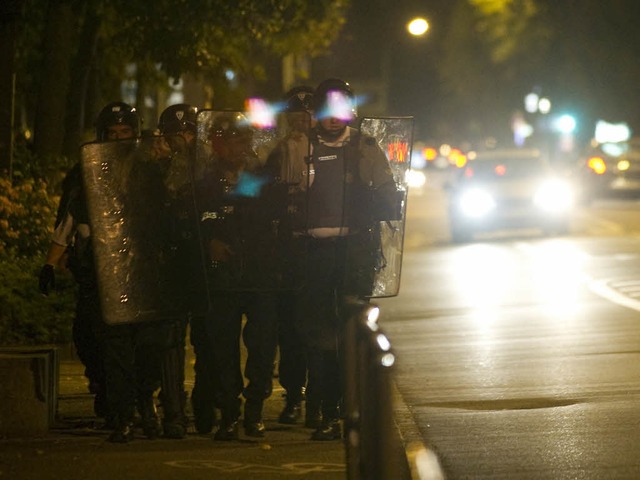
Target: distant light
417,26
430,153
531,103
623,165
415,178
566,124
544,105
598,165
612,132
230,75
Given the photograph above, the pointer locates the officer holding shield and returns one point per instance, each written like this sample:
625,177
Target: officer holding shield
177,125
239,229
353,188
289,164
116,121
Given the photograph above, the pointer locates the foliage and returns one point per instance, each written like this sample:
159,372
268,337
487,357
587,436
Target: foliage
581,55
165,39
27,211
26,316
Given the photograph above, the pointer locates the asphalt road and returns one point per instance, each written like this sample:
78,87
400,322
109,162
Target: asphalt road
519,354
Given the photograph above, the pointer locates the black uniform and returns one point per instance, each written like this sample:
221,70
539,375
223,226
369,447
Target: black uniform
241,212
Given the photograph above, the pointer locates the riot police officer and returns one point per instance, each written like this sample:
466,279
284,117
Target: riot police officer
288,161
71,236
238,234
352,187
177,124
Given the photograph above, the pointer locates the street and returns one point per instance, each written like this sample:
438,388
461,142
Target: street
518,354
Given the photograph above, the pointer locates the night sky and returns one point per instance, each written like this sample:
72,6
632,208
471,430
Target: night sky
374,36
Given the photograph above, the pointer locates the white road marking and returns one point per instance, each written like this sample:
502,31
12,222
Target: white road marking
605,290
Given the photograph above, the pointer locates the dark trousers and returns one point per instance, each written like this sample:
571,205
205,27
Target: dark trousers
292,369
320,319
172,369
132,362
218,351
87,321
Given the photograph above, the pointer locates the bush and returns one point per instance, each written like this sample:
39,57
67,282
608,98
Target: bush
27,213
26,316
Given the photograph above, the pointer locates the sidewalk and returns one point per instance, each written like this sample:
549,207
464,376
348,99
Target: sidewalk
76,447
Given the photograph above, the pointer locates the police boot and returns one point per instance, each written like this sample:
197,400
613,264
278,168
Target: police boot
329,430
149,417
228,429
253,425
123,432
312,414
292,409
204,410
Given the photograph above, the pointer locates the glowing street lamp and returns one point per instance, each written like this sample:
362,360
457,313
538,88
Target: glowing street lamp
417,26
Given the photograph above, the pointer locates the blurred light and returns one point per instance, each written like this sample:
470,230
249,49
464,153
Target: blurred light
260,113
387,360
418,26
457,158
500,170
565,124
430,153
383,342
531,102
612,132
415,178
597,164
372,318
613,149
554,196
230,75
476,203
445,150
339,105
623,165
544,105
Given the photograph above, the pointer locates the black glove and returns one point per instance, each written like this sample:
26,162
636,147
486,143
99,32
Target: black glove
47,279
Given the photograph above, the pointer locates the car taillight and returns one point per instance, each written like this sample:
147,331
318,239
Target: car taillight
597,165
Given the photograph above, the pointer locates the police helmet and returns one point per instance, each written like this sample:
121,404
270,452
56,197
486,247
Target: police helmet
334,97
299,99
116,113
178,118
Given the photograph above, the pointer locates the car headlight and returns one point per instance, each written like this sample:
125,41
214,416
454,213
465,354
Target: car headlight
476,202
554,196
415,178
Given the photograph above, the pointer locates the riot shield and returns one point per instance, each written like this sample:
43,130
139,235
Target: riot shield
144,226
394,136
251,200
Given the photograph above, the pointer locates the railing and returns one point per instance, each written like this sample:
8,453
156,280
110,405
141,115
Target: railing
370,436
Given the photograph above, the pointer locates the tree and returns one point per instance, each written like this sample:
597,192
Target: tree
97,39
579,53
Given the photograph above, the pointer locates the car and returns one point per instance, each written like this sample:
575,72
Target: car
508,189
610,170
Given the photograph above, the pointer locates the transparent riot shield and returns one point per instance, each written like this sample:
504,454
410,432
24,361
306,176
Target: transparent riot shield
144,228
385,235
251,196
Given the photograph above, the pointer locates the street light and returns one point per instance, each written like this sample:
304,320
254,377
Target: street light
417,26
